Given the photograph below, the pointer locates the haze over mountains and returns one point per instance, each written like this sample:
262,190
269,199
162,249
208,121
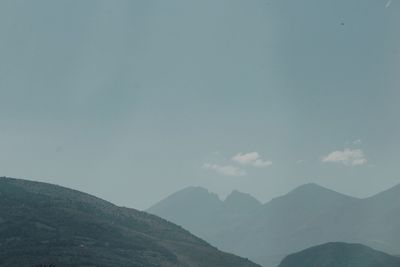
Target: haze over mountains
203,212
48,224
307,216
130,100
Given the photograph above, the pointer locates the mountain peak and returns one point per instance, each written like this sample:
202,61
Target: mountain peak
240,198
313,189
193,199
309,198
309,187
193,189
191,193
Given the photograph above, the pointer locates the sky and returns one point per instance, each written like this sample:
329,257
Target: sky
134,100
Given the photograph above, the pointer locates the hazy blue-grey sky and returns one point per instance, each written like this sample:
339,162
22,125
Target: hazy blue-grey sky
133,100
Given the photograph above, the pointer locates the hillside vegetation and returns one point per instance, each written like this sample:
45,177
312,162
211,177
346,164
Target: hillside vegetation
48,224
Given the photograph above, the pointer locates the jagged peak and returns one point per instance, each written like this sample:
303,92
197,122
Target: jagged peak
191,194
193,189
237,196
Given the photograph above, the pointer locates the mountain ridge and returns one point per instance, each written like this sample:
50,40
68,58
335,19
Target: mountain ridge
306,216
49,224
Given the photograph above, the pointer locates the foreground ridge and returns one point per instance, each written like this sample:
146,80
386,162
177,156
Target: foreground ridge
49,224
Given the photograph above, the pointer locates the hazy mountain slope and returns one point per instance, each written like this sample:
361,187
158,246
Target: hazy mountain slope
381,226
192,208
311,215
238,202
281,227
340,255
374,221
42,223
203,213
307,216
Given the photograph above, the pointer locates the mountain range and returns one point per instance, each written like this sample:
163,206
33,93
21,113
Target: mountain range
47,224
307,216
203,212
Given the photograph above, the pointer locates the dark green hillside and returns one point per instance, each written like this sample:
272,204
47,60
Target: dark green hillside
340,255
47,224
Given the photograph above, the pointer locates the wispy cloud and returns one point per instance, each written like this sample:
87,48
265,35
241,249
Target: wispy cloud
350,157
388,3
251,159
227,170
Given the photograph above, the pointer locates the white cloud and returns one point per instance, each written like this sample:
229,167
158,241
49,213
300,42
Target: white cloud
252,159
388,3
300,161
227,170
350,157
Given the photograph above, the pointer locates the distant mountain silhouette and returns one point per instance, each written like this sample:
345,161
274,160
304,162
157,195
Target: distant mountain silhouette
307,216
340,254
240,202
203,212
48,224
